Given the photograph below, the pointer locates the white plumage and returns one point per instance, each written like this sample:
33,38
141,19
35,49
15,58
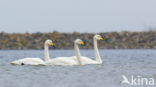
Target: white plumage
35,61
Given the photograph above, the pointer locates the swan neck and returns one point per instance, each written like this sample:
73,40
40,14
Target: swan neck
46,52
98,58
77,54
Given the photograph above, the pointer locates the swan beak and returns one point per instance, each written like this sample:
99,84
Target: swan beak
52,44
82,43
100,38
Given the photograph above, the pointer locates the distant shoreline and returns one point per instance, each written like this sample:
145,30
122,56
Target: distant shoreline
112,40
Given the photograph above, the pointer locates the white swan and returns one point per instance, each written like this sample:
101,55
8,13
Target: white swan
64,61
35,61
86,60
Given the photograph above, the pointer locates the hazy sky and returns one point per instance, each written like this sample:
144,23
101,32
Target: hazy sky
76,15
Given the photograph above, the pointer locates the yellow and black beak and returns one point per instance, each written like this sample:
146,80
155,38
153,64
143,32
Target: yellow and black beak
52,44
100,38
82,43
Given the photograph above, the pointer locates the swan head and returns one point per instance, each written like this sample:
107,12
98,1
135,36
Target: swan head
49,42
79,42
98,37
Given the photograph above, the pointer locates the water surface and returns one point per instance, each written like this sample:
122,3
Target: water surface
115,64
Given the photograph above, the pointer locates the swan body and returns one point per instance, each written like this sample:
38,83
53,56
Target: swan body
35,61
28,61
64,61
86,60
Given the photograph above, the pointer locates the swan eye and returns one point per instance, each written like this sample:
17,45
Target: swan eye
100,38
52,44
82,43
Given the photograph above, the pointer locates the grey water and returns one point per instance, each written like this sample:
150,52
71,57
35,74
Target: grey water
128,62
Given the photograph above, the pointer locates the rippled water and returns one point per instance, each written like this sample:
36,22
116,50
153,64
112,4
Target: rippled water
115,64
